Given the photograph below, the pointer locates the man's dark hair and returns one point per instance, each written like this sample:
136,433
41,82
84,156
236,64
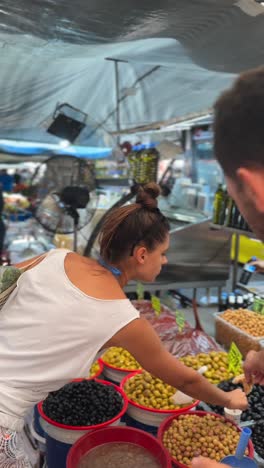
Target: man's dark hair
239,123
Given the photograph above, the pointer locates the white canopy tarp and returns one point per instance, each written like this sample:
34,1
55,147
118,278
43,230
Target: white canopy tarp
176,58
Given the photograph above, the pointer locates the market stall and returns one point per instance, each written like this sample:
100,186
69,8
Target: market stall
143,409
129,68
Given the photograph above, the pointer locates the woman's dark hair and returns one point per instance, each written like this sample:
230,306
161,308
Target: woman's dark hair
139,223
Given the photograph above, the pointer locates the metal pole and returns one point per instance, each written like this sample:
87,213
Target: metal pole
75,242
117,101
235,265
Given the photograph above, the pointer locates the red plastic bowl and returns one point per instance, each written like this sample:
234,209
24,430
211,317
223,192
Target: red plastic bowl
167,423
90,428
124,371
99,372
181,410
117,434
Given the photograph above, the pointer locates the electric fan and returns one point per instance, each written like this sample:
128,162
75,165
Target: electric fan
65,194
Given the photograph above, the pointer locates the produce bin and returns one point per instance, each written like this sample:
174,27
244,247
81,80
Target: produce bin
167,423
60,437
226,333
149,419
114,374
98,372
117,434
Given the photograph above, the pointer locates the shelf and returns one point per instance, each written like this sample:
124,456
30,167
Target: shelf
165,286
256,287
113,181
218,227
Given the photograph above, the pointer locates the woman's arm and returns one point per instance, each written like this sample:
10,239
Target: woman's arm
140,339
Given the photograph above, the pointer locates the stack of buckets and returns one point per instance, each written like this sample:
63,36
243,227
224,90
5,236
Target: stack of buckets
65,445
38,424
60,437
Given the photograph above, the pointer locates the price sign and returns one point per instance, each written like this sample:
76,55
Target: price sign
140,291
155,302
180,320
234,358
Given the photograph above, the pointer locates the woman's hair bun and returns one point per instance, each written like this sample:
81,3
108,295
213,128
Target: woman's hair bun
147,195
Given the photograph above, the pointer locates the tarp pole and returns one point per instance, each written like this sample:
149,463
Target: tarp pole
117,100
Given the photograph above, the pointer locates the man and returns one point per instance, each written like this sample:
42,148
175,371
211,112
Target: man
239,148
6,181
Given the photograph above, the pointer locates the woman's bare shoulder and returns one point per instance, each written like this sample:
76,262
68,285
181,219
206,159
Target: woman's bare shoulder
91,278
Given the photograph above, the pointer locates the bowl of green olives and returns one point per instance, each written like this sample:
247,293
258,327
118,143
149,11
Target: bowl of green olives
150,399
196,433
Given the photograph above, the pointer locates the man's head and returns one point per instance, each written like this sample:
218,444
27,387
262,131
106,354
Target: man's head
239,144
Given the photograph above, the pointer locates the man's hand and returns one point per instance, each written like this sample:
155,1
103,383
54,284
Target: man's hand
202,462
254,367
259,264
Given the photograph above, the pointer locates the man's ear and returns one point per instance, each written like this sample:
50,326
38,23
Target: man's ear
140,254
252,184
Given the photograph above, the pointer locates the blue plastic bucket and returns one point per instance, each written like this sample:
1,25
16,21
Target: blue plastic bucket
41,441
56,452
130,422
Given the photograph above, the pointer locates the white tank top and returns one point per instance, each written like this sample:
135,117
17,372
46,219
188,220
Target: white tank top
50,333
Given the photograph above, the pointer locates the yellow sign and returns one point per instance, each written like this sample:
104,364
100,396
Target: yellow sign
155,302
234,358
140,291
180,320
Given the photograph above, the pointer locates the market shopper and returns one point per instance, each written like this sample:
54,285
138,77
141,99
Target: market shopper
239,148
68,307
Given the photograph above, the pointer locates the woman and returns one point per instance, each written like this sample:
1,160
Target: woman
68,307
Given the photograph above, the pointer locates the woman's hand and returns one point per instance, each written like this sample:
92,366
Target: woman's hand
202,462
237,400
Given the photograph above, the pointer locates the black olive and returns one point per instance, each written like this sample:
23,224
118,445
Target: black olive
83,403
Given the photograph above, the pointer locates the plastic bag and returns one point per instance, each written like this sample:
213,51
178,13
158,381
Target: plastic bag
8,277
193,341
190,341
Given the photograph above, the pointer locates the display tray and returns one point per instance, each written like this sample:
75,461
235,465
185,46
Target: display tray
226,333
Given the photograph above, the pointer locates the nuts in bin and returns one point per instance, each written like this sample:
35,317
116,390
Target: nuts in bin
191,435
150,392
248,321
119,357
216,362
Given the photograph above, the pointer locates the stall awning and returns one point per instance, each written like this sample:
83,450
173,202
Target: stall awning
174,58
